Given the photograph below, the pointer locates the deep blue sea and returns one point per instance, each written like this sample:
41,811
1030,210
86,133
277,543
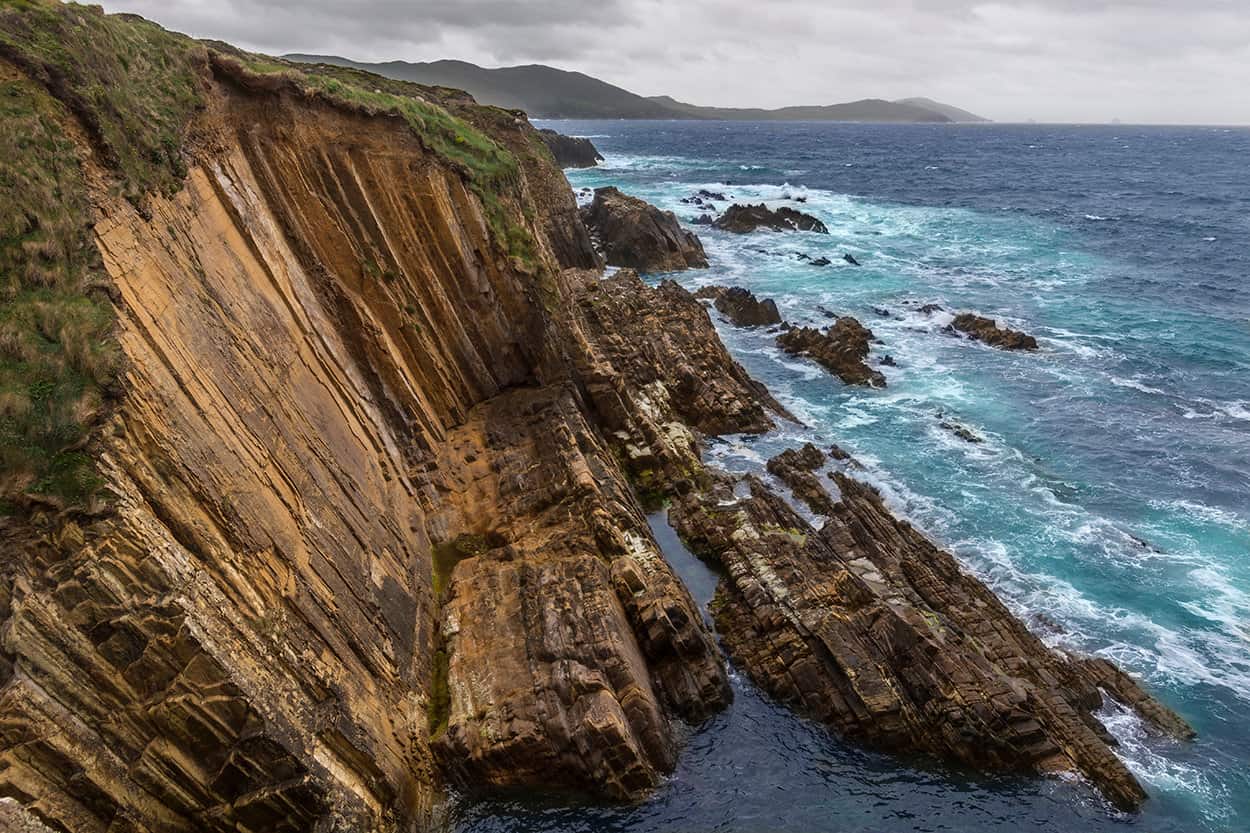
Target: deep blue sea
1110,502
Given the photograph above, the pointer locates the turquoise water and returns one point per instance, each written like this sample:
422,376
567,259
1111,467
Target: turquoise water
1110,502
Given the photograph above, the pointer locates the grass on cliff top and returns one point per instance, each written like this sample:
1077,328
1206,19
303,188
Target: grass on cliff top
133,87
56,357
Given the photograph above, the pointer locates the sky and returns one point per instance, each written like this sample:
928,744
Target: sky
1140,61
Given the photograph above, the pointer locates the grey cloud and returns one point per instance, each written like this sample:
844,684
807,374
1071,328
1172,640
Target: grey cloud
1070,60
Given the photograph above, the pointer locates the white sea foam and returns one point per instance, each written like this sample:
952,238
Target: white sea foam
1148,757
1098,218
1135,385
1211,514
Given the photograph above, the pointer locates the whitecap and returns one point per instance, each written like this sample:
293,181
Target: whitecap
1143,753
1135,385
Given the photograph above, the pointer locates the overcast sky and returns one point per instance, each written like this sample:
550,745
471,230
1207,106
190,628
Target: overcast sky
1049,60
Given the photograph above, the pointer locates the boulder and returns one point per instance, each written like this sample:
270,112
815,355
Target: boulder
980,328
741,219
850,258
570,151
841,349
635,234
741,306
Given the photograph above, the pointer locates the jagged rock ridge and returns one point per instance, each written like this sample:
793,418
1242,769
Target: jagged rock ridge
868,627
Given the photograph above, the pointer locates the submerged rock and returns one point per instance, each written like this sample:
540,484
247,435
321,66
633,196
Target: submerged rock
636,234
570,151
841,349
741,219
962,431
987,330
741,306
869,628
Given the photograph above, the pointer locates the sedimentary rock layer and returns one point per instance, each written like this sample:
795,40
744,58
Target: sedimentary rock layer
868,627
318,330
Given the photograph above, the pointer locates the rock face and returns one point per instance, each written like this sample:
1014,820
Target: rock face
987,330
569,642
635,234
741,306
741,219
340,378
570,151
868,627
662,343
841,349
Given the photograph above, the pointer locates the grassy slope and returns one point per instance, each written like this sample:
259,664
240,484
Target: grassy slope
134,88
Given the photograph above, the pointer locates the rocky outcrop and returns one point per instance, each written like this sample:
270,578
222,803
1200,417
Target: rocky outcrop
348,364
568,641
741,306
868,627
841,349
570,151
742,219
661,342
635,234
987,330
797,470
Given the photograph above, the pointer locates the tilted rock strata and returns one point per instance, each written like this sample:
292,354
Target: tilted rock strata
841,349
637,235
868,627
571,151
569,640
248,636
742,219
661,339
983,329
741,306
797,469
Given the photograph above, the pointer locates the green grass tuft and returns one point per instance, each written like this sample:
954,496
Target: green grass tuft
57,359
133,85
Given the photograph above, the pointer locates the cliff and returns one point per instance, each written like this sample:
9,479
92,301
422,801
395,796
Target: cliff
339,346
323,439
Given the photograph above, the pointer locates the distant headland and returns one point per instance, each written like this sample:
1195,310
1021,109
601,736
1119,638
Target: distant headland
547,92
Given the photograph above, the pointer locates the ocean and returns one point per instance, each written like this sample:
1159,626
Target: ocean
1109,504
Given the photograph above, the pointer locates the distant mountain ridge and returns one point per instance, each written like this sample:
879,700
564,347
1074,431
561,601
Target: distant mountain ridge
547,92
